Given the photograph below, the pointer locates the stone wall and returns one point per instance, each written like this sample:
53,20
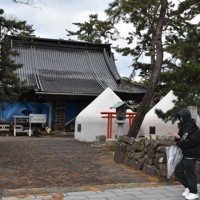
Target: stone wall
146,155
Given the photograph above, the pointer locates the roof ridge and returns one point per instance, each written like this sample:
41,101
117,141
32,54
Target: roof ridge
59,42
109,66
93,71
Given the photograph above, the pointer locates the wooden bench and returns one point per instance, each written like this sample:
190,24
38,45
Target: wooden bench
4,128
20,129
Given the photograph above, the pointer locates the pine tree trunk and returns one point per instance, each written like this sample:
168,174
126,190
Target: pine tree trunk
155,75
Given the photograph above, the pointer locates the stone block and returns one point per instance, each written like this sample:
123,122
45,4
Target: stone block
152,170
130,155
141,163
139,155
139,146
132,163
110,145
161,149
120,152
101,138
162,170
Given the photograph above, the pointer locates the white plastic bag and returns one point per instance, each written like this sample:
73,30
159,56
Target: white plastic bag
174,156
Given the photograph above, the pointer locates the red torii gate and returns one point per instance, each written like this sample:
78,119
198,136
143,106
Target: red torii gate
111,115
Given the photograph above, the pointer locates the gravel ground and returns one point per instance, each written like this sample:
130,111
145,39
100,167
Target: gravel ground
31,162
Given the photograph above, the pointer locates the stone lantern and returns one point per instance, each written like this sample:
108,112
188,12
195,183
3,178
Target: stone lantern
121,108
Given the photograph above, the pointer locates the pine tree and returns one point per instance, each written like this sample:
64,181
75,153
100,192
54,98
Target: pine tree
10,85
183,69
95,31
158,27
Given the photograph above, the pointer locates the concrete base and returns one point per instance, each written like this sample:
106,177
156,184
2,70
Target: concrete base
110,145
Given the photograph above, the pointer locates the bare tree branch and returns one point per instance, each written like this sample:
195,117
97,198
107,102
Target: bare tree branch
27,2
31,3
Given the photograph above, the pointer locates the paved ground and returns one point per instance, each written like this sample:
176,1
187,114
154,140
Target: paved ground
153,192
63,169
29,162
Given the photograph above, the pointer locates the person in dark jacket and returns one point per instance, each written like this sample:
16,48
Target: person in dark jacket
188,139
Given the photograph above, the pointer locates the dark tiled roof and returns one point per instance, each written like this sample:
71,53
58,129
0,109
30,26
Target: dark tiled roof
66,67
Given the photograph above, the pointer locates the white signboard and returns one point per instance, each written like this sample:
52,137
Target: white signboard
38,118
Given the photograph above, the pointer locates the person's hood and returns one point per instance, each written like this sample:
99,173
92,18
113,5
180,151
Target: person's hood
185,114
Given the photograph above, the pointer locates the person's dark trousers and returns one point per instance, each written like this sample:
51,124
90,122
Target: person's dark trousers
185,173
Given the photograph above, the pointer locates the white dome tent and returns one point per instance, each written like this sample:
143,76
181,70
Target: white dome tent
152,120
162,128
89,123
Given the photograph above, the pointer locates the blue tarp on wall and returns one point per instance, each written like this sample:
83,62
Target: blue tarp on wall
71,111
7,109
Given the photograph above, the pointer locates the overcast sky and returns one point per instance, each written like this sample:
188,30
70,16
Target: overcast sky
50,18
